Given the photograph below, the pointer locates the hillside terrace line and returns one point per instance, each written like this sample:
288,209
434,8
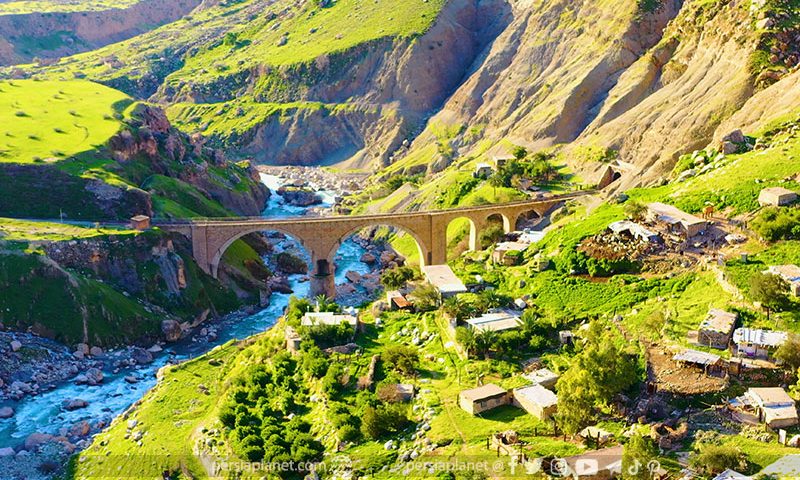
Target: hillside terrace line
322,236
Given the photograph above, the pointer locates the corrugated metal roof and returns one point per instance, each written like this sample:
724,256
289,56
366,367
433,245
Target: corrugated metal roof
767,338
697,357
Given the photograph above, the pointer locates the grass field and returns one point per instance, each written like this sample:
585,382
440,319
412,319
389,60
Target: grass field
46,121
24,230
310,32
62,6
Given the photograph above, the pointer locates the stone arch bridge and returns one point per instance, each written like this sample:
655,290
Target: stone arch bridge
322,236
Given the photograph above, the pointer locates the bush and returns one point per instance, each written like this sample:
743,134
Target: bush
383,420
715,459
397,277
292,264
402,358
775,223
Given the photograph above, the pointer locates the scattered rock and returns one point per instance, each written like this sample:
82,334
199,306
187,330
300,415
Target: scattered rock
75,404
95,351
368,258
34,440
142,356
15,345
6,412
7,452
172,330
80,429
131,379
78,355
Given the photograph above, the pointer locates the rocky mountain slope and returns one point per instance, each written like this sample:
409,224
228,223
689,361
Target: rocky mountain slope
53,29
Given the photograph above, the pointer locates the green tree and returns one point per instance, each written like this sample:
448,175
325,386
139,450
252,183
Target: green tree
466,337
456,308
770,290
383,420
397,277
519,152
789,352
401,358
485,341
636,457
425,297
715,459
634,210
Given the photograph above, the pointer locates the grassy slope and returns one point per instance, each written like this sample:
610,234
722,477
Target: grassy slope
24,230
51,119
62,6
312,32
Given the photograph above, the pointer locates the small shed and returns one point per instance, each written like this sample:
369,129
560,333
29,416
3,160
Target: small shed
776,196
140,222
717,329
601,464
536,400
482,170
708,362
478,400
397,301
757,343
508,253
633,229
770,405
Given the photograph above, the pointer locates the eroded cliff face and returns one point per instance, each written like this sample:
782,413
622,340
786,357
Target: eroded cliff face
388,88
52,35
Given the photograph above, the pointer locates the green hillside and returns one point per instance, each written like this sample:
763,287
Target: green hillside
47,121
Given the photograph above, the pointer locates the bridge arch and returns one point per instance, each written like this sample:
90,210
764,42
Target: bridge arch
422,246
218,254
473,235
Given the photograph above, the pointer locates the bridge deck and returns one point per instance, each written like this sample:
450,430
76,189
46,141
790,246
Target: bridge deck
232,221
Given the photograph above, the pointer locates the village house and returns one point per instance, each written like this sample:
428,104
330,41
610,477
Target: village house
483,170
536,400
140,222
543,376
495,322
603,464
633,229
776,196
397,301
790,273
679,222
708,362
311,319
500,161
757,343
731,475
443,280
478,400
716,330
509,253
771,406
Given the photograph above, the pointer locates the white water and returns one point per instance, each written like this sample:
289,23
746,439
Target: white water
43,413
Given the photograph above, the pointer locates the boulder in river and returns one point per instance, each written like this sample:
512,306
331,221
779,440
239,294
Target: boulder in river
142,356
15,345
172,330
7,452
36,439
368,258
75,404
6,412
95,351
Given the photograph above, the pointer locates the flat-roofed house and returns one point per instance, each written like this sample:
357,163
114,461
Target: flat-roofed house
717,329
443,280
790,273
508,253
786,467
478,400
543,376
536,400
679,221
776,196
771,406
495,322
311,319
140,222
482,170
757,343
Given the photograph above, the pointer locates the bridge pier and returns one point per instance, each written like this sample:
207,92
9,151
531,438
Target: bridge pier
323,279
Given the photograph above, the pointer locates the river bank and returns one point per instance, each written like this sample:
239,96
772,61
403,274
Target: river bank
73,394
